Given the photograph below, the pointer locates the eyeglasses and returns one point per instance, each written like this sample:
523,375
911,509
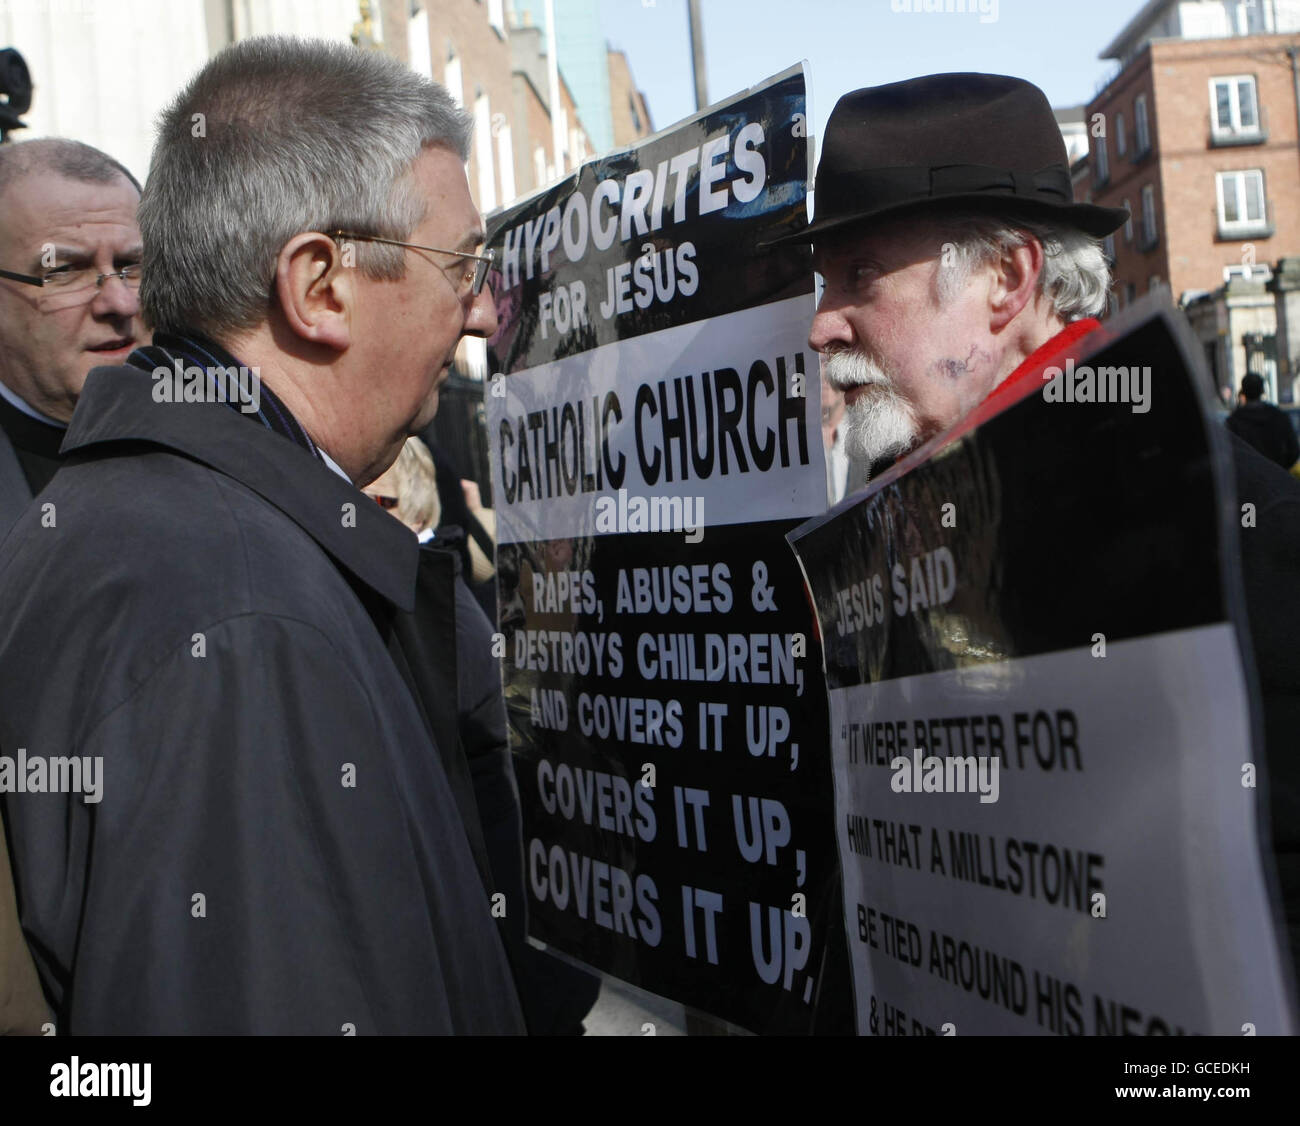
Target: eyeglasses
77,281
477,277
384,502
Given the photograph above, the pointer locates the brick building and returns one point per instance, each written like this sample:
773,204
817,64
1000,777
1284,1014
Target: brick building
627,105
470,55
536,131
464,44
495,65
581,50
80,50
1196,135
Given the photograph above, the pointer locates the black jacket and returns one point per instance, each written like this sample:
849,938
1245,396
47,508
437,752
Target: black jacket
1270,558
22,1008
15,491
1268,429
200,616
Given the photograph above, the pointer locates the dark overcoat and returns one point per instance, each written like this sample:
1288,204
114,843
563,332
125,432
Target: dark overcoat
276,848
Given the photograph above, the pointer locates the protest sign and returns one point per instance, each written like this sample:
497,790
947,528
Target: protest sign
654,423
1047,791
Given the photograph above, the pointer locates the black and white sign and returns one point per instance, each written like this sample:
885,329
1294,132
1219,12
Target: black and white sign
1046,784
655,433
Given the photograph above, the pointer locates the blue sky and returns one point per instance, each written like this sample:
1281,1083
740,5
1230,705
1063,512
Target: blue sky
853,43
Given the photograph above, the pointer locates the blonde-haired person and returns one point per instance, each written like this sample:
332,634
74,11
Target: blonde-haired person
409,489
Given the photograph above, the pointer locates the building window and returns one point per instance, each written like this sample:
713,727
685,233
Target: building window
1103,162
1121,135
452,78
487,181
505,158
1212,360
577,146
1149,232
1241,202
1248,17
1112,305
1108,247
1142,142
1154,283
497,16
1128,223
417,43
561,136
1234,106
1130,293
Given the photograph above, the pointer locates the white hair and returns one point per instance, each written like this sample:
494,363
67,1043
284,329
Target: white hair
1075,276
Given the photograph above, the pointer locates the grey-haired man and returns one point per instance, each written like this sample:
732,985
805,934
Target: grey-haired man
279,846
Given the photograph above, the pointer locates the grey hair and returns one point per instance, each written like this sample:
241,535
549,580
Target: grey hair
60,157
273,137
1075,276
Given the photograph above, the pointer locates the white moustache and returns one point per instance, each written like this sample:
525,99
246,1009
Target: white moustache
851,369
878,426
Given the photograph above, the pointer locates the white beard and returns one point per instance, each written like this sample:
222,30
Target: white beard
879,423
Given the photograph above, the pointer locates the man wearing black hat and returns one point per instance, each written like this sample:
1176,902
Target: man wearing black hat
1263,426
954,257
956,264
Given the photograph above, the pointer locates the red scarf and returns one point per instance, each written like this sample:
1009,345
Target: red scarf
1020,384
1006,392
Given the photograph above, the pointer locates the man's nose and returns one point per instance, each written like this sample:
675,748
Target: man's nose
115,298
482,319
829,327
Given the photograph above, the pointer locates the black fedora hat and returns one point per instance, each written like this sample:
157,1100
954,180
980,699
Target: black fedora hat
986,140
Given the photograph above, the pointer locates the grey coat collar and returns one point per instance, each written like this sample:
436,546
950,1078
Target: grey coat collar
117,405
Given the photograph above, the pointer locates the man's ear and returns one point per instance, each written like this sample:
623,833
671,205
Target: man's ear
1015,284
316,291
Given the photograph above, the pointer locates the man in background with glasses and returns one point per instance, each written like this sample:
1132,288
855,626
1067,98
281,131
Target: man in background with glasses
69,275
69,271
285,841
